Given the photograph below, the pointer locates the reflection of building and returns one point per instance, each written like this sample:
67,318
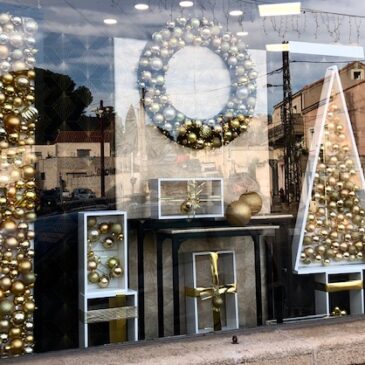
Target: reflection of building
304,111
75,157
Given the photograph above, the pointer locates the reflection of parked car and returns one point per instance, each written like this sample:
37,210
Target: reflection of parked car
83,193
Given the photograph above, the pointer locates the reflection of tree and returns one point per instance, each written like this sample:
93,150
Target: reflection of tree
59,102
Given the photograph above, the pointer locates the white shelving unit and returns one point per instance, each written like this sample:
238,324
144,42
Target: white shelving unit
118,286
227,275
322,297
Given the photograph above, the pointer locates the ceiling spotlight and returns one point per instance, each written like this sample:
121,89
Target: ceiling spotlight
186,4
141,6
241,34
236,13
279,9
110,21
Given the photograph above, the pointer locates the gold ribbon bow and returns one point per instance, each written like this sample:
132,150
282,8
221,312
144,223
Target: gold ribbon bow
214,292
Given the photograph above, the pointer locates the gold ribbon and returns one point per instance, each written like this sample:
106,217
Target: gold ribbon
213,292
340,286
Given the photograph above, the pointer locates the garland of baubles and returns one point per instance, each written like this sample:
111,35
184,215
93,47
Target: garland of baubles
102,270
233,119
335,228
18,196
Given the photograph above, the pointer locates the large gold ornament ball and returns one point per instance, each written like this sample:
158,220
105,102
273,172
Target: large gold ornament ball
25,266
238,213
18,317
253,200
11,243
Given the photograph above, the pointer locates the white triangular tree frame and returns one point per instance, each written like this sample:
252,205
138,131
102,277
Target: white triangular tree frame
331,82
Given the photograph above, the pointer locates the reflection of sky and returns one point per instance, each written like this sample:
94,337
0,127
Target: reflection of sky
84,50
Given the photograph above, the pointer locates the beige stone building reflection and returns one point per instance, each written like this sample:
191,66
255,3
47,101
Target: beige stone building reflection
304,111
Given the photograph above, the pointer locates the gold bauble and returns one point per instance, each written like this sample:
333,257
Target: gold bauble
18,317
4,325
253,200
343,246
21,82
311,227
94,235
217,301
28,172
104,228
330,253
25,266
16,346
307,240
9,225
335,245
29,278
192,137
359,255
309,251
19,300
186,206
104,282
113,262
321,249
11,243
17,287
15,332
108,242
116,228
5,283
117,272
238,213
93,277
359,245
92,265
11,123
6,307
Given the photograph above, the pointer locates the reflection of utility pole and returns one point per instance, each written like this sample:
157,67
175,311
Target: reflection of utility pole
292,177
100,114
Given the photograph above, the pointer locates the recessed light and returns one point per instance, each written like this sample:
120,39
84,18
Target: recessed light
236,13
110,21
242,34
277,47
186,4
279,9
141,6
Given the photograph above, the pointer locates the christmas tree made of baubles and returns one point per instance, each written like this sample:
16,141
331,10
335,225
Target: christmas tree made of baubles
330,229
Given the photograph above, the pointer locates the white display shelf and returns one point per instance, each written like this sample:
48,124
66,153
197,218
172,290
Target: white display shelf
322,298
227,275
118,286
167,195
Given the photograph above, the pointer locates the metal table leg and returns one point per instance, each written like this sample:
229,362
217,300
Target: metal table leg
256,240
140,254
175,283
159,242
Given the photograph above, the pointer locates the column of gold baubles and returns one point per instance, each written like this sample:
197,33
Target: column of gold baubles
103,268
335,230
18,197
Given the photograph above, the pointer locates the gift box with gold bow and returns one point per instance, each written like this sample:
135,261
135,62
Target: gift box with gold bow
210,291
174,198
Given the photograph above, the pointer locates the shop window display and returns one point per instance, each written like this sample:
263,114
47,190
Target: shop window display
154,160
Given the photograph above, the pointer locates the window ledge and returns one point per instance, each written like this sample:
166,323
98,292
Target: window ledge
333,341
